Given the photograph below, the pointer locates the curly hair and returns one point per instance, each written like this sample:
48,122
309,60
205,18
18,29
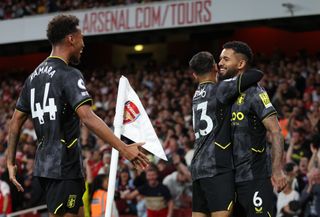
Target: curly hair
241,48
61,26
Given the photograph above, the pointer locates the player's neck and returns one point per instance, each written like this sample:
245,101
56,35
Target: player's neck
207,78
60,52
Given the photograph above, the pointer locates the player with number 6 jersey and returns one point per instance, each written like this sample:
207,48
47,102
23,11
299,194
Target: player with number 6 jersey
212,164
252,117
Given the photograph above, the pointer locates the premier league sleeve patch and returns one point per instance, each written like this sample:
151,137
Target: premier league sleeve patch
265,99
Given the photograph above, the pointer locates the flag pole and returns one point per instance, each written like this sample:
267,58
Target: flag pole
118,122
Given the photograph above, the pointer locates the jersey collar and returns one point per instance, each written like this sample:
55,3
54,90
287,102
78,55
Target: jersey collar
205,82
57,57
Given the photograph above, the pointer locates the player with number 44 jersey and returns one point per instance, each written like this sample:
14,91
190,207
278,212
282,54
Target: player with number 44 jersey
212,163
51,94
55,97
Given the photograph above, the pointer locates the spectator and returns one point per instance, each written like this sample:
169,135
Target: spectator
309,197
5,199
299,146
288,194
98,197
125,183
179,184
157,196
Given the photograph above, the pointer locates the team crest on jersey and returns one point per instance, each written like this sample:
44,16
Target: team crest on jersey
71,201
240,99
131,112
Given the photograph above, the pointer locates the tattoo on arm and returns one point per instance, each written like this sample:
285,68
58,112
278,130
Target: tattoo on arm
272,125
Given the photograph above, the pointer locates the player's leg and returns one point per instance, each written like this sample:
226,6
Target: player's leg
64,197
199,214
221,214
225,191
219,194
199,202
80,213
257,198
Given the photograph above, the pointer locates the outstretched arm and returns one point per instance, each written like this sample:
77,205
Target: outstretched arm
272,125
96,125
16,123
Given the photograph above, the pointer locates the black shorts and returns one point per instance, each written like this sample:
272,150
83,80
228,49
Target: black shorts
255,198
63,196
213,194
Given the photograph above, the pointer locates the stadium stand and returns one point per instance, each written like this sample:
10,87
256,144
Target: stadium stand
292,80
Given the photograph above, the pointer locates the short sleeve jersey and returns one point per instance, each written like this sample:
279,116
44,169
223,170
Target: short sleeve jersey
251,152
51,95
212,126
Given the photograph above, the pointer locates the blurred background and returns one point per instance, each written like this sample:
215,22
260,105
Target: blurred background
151,43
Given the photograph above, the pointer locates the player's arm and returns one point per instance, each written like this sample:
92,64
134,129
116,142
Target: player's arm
96,125
15,126
272,125
248,78
231,88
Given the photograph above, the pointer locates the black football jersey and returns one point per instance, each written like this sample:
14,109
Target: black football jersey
251,152
51,95
212,126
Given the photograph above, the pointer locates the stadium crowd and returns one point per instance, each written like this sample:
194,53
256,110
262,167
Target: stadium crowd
10,9
293,85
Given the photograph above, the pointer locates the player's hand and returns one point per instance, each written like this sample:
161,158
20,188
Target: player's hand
12,176
279,180
134,153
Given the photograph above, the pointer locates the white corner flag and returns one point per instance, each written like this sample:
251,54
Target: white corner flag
132,121
136,124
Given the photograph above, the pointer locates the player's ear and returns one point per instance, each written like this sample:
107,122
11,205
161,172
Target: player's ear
242,64
70,39
215,68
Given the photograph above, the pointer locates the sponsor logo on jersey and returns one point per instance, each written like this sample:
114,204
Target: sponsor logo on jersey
71,201
131,112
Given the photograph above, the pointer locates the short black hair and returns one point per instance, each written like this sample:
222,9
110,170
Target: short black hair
202,62
61,26
241,48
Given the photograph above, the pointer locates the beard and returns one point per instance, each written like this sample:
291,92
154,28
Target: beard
230,73
74,60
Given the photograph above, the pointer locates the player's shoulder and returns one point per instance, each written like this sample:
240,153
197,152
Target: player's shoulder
255,90
71,72
227,83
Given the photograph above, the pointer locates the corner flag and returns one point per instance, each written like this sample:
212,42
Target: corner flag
132,121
